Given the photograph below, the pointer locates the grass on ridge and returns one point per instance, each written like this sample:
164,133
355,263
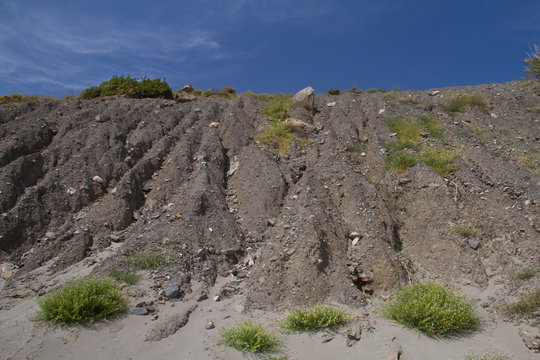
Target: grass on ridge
83,300
400,161
433,309
459,103
526,306
250,336
146,260
277,107
464,230
121,276
277,135
432,126
405,129
525,273
443,162
316,317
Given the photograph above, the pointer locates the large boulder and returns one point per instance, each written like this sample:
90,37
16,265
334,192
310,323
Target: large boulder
304,98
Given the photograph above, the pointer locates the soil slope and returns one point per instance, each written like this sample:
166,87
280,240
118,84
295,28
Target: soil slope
89,183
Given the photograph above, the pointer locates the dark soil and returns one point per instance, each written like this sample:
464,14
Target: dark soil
189,180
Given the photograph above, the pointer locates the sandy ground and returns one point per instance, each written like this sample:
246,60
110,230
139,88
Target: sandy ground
124,338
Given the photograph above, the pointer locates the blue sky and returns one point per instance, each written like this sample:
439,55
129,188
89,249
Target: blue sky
61,47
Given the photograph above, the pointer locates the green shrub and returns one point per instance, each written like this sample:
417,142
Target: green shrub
443,162
227,92
334,91
406,129
15,99
401,161
133,87
373,91
354,90
208,93
316,317
459,103
250,336
146,260
488,356
126,277
197,92
533,64
84,300
527,304
433,309
464,230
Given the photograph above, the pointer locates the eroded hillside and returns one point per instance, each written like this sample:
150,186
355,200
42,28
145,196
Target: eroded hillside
328,220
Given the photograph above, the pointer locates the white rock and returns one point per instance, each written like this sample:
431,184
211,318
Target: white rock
97,179
333,103
305,98
381,111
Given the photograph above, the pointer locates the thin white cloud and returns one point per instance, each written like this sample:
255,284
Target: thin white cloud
42,46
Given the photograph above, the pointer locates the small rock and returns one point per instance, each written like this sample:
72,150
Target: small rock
271,222
473,243
241,275
97,179
366,276
102,118
71,191
532,342
217,298
231,252
197,110
213,124
434,93
354,234
188,88
327,337
330,104
381,111
353,336
139,311
355,241
6,270
234,166
183,97
184,278
173,291
209,325
115,238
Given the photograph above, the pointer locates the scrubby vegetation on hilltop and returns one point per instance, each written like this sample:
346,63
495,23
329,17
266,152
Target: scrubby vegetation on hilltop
132,87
